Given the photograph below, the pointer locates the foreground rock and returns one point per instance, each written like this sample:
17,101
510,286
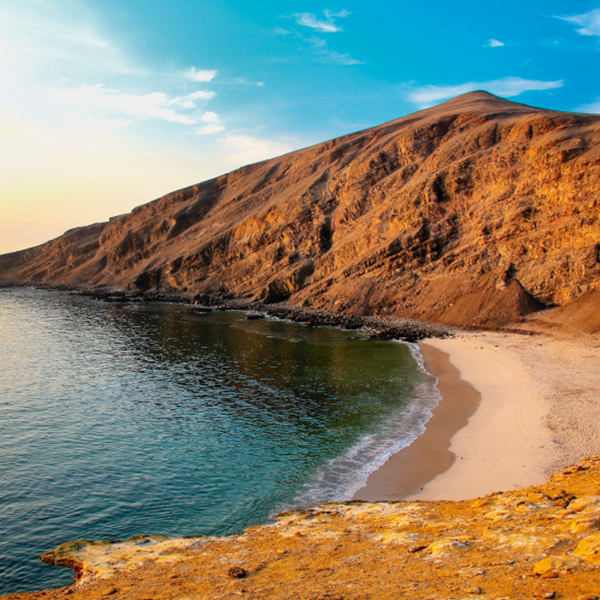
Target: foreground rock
542,542
474,213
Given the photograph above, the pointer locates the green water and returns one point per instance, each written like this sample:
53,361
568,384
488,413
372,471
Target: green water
122,419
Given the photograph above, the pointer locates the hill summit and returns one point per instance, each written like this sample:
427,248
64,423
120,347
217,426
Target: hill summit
477,212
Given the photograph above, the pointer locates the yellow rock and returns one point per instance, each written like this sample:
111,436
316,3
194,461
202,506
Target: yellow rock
442,546
585,524
537,498
555,563
584,503
481,502
589,548
498,515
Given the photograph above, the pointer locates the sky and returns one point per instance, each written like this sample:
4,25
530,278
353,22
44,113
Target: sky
108,104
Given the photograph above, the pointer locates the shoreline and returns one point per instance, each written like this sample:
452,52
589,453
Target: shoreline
429,455
488,433
376,327
500,396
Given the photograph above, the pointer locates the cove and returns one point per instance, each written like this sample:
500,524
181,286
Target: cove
126,419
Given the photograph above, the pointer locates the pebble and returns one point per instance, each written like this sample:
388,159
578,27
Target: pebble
237,572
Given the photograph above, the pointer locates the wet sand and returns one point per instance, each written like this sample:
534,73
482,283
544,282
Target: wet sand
429,455
489,433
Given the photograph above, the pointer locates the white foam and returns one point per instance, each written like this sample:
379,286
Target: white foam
343,476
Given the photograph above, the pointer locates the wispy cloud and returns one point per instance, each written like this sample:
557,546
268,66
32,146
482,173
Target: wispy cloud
589,23
327,25
310,20
203,75
493,43
97,101
46,37
342,14
594,107
320,46
509,87
246,149
213,124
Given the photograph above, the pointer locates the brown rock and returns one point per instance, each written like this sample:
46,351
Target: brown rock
237,572
476,591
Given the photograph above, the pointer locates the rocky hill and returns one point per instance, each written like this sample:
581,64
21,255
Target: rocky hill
477,212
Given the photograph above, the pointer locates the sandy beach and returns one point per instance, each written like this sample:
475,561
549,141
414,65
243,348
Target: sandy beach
515,409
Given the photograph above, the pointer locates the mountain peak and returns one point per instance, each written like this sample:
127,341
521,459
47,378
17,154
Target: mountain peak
482,101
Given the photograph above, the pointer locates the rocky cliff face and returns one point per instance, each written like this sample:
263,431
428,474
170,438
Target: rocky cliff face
476,212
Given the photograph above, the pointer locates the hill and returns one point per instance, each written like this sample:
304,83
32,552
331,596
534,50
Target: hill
477,212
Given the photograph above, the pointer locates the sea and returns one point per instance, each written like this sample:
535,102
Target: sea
125,419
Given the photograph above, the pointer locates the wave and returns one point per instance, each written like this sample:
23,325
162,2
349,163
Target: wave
340,478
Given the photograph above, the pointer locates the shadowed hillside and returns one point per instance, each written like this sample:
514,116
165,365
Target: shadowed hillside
476,212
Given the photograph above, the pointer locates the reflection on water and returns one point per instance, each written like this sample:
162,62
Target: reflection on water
117,420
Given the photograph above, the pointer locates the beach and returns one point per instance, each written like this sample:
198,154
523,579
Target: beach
515,409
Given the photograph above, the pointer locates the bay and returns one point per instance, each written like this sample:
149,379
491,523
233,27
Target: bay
126,419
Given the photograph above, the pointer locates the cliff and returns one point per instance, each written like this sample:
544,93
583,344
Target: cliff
541,542
477,212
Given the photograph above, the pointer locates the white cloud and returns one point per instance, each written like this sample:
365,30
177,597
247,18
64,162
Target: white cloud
50,36
310,20
319,45
593,108
210,117
331,56
493,43
342,14
210,129
246,149
509,87
281,31
96,100
326,54
214,123
200,75
589,23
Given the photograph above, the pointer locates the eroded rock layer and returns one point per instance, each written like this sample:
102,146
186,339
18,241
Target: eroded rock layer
476,212
541,542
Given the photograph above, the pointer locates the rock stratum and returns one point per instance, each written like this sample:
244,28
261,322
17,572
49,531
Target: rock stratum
540,542
475,213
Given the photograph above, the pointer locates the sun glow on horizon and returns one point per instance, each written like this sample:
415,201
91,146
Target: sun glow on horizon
101,111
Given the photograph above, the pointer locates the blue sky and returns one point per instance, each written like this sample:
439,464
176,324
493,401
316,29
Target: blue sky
108,104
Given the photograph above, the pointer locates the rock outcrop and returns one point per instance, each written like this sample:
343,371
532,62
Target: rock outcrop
541,542
476,212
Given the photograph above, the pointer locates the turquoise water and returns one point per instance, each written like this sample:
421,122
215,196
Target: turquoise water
122,419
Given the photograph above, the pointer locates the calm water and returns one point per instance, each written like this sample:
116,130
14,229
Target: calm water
117,420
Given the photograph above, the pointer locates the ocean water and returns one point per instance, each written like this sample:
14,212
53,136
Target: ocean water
126,419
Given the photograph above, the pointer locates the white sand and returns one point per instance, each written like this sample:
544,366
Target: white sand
540,410
506,444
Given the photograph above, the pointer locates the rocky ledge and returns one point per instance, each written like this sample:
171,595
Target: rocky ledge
540,542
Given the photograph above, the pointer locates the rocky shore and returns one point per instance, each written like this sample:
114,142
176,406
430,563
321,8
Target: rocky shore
540,542
381,328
